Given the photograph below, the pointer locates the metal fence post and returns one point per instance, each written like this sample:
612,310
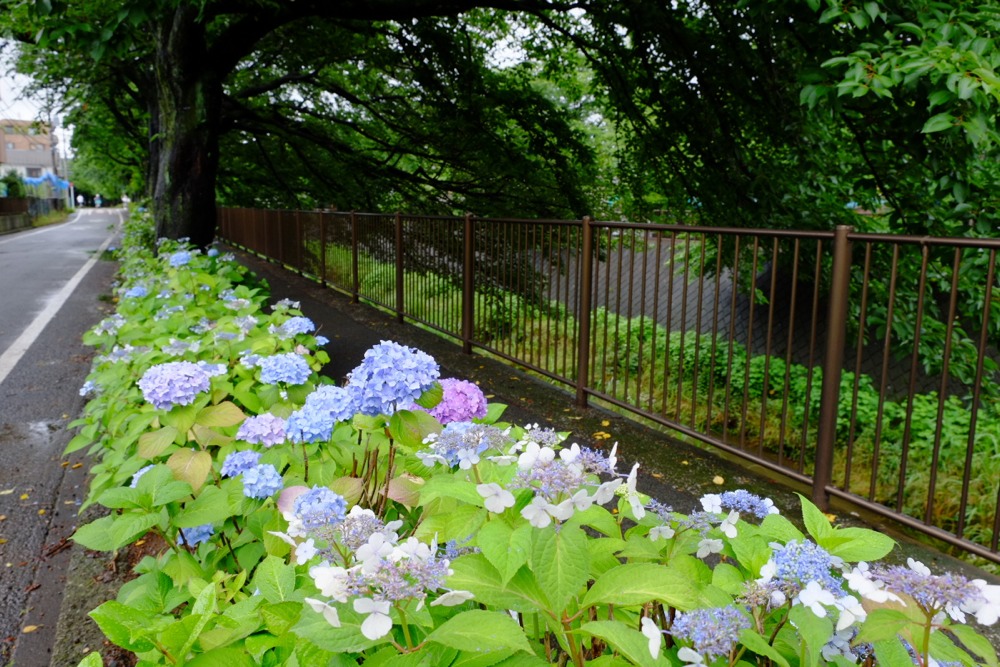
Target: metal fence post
840,284
355,274
400,295
468,285
322,248
583,315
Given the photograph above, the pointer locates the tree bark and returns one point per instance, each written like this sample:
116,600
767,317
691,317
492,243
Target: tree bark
184,151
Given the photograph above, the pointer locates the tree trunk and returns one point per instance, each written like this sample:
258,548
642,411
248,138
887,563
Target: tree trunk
184,150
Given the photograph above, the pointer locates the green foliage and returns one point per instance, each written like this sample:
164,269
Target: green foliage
13,185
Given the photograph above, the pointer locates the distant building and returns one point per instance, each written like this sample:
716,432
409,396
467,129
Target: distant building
29,148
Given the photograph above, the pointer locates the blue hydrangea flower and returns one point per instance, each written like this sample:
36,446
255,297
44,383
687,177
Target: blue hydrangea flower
289,368
238,463
195,536
89,387
318,507
391,376
261,481
265,429
212,252
461,401
180,258
461,443
322,340
293,326
326,406
136,292
801,561
174,383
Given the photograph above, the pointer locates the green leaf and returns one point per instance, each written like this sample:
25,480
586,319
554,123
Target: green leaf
154,443
976,643
211,506
813,630
885,624
759,645
191,466
626,640
124,626
275,578
93,659
474,573
560,563
113,532
891,652
279,618
480,630
222,657
203,610
858,544
345,639
430,398
939,122
634,584
815,521
222,415
410,427
181,417
493,413
507,549
779,528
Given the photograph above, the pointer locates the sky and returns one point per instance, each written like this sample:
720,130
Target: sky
16,105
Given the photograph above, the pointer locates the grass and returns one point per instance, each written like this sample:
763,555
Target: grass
51,218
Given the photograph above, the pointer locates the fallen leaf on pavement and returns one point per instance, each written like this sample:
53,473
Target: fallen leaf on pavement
718,479
30,628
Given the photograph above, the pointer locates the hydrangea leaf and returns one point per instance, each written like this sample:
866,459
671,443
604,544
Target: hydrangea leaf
431,397
628,641
505,547
561,563
191,466
222,415
181,417
154,443
976,643
405,490
812,629
777,527
209,437
345,639
222,657
474,573
760,646
480,630
281,616
633,584
124,625
857,544
409,428
493,413
275,578
211,506
113,532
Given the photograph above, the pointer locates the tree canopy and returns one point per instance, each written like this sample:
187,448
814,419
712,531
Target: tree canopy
783,113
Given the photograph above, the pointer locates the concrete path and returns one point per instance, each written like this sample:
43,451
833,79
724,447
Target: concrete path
50,281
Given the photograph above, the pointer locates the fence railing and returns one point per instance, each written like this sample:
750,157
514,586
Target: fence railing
863,365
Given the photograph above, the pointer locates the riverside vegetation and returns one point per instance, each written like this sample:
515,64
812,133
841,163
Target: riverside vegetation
399,521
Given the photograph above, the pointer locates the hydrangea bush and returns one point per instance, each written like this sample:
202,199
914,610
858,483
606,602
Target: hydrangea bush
398,521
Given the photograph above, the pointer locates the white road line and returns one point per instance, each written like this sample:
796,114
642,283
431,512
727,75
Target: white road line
17,349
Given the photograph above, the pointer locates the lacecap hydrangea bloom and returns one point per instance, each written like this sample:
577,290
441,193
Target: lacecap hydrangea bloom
176,383
326,406
461,401
287,368
390,376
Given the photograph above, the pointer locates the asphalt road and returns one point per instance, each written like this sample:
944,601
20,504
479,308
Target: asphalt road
50,282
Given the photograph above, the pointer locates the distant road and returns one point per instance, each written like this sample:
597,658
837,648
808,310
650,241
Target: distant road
50,282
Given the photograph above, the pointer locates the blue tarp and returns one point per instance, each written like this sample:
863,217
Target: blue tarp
49,178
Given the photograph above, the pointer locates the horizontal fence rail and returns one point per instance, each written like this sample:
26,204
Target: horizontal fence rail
864,365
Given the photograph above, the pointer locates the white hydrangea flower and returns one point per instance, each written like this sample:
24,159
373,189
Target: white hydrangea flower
495,498
378,623
653,634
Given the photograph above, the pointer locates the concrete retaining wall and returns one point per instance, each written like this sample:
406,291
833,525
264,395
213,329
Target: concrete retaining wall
11,223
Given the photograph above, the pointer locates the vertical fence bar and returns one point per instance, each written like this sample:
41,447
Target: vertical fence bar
832,365
355,251
400,295
468,285
583,344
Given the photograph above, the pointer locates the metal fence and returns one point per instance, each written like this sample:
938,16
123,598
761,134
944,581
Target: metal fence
863,365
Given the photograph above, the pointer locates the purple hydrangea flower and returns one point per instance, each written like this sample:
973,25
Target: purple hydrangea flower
265,429
196,535
461,401
289,368
261,481
318,507
174,383
180,258
326,406
392,375
238,463
712,632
